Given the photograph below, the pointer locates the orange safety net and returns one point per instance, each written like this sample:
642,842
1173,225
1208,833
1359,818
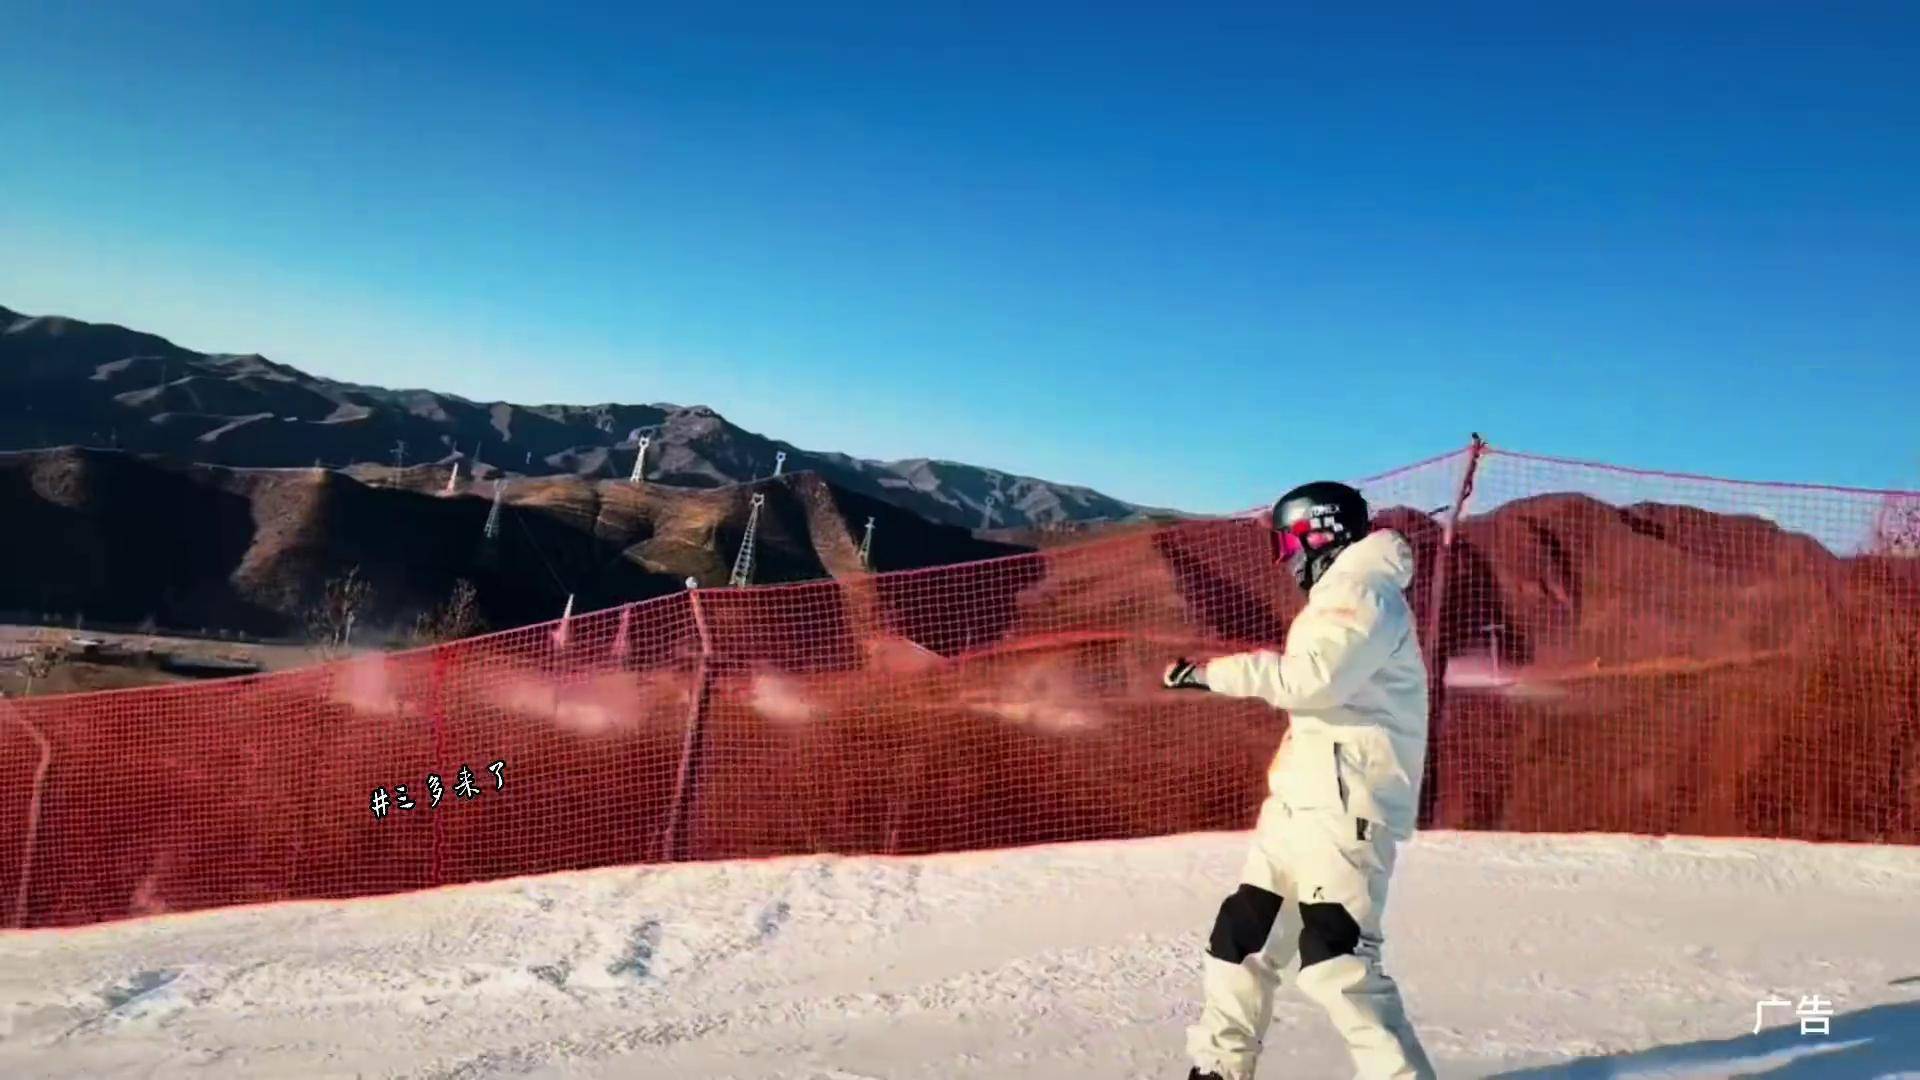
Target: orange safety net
1614,651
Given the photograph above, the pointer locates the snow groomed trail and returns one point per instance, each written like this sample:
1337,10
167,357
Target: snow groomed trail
1522,956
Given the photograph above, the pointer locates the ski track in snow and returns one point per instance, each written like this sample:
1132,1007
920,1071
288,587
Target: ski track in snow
1523,956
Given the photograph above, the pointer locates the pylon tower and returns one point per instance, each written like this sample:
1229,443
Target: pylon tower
743,563
493,514
640,461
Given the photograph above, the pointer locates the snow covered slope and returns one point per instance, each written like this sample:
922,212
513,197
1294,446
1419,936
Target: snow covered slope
1522,956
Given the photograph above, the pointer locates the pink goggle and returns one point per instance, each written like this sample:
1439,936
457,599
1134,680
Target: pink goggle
1301,538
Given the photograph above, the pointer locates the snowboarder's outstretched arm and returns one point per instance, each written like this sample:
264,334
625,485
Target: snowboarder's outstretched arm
1332,649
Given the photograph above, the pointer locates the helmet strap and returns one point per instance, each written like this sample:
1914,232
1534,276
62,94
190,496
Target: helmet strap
1319,562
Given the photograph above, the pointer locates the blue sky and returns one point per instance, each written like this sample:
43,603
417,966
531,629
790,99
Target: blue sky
1187,257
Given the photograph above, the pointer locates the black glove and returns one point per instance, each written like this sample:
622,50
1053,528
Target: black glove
1184,674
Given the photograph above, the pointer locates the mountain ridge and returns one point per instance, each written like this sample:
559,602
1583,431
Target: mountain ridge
65,380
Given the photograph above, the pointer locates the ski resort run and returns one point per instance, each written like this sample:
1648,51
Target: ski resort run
948,823
1521,956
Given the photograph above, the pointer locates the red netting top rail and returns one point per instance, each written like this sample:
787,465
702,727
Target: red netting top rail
1623,652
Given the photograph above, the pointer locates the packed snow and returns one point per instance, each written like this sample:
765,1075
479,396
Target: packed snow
1521,956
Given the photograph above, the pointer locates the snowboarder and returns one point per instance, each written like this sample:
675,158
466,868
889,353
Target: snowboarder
1343,794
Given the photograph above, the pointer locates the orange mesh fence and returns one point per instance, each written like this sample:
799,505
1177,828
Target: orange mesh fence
1615,651
1640,652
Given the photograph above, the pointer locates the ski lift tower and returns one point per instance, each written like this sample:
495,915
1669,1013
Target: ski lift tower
1493,639
743,563
492,528
640,462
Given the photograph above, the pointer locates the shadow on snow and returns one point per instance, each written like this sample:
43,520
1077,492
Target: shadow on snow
1872,1042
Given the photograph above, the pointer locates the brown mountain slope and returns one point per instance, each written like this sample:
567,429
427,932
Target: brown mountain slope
117,538
1564,580
1571,580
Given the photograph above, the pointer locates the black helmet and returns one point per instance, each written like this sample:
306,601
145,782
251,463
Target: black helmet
1313,524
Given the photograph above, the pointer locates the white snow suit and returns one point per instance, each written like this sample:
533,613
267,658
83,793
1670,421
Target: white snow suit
1344,792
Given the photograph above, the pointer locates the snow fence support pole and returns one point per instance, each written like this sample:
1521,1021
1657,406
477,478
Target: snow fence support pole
1901,826
1436,624
19,920
673,841
438,703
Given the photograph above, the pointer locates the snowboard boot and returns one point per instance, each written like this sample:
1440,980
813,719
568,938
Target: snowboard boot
1196,1074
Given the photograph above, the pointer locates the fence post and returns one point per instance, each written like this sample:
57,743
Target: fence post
437,702
673,838
1902,823
19,920
1436,626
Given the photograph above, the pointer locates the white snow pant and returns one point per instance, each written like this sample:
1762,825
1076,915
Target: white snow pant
1315,883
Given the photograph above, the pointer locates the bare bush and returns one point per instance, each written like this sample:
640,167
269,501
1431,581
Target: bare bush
343,599
41,659
458,618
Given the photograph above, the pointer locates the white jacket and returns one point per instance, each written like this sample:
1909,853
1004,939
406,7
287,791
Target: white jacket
1354,683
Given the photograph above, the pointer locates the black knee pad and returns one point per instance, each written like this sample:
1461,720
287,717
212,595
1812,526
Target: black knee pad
1245,920
1326,931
